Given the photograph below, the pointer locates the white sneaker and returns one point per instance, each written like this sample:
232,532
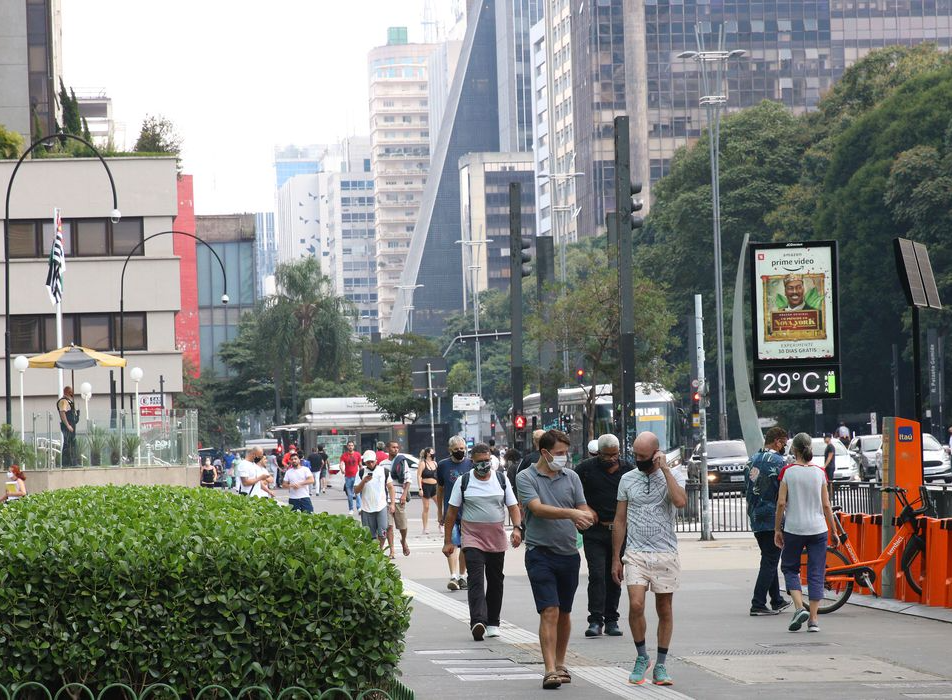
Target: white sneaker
350,512
492,631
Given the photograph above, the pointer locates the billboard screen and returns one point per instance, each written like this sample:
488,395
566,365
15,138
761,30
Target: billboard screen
794,302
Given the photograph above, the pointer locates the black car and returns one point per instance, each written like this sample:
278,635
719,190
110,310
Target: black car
726,461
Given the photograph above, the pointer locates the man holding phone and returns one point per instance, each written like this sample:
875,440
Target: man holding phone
644,526
375,486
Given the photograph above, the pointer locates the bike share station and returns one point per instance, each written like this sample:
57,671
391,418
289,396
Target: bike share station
796,356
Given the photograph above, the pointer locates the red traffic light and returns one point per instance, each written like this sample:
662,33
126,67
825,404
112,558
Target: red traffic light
333,431
697,397
519,422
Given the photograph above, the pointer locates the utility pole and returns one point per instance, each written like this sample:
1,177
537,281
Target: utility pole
702,412
548,386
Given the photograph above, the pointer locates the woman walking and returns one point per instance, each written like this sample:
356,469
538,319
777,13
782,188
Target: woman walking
804,521
426,483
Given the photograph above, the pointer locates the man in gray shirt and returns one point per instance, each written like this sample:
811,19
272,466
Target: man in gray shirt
648,502
555,510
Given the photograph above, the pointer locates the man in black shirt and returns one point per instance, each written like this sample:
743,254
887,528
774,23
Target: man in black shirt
527,461
317,459
600,476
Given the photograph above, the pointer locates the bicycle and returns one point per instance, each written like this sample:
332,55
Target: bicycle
844,571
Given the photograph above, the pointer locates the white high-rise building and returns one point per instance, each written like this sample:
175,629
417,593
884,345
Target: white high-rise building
400,154
297,226
347,233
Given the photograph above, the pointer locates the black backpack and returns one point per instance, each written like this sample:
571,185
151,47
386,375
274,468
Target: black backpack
464,482
400,475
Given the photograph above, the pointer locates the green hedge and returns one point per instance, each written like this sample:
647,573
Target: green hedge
192,587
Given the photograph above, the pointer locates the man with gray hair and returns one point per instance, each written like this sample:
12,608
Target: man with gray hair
447,472
600,476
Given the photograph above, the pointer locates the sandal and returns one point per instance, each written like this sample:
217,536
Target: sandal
406,549
551,680
564,674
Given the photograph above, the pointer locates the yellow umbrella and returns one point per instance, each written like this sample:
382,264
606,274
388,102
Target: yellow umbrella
73,357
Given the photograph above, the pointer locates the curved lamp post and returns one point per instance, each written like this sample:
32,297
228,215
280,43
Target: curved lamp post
122,299
115,215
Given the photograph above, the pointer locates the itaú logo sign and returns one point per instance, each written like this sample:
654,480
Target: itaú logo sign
905,434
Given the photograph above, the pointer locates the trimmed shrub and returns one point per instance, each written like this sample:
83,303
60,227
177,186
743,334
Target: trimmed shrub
192,587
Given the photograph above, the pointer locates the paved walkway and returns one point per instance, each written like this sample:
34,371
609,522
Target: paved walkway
718,652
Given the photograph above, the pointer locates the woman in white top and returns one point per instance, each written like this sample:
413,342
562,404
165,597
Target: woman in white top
804,521
16,485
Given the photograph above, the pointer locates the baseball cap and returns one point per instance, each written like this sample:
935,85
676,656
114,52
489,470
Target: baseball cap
593,447
369,456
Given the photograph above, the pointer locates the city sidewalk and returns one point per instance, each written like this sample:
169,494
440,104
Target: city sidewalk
718,652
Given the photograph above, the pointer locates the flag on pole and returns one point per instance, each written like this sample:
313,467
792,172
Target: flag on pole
54,276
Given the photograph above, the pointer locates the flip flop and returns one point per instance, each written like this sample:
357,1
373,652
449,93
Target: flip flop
406,549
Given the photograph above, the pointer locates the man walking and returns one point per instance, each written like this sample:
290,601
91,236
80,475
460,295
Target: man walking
648,502
350,465
317,463
600,477
397,464
481,497
299,479
762,484
447,472
253,478
555,508
375,486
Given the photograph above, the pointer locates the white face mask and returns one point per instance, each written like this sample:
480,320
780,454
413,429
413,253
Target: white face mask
558,462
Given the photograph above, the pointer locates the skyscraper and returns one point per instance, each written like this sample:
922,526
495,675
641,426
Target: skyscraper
400,155
470,124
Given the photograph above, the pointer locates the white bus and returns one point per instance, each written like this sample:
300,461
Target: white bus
655,410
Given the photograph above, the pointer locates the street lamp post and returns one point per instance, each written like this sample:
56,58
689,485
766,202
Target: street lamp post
475,268
409,288
115,215
122,298
21,363
713,99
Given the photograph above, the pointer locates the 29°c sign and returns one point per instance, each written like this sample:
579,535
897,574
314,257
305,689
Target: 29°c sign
794,295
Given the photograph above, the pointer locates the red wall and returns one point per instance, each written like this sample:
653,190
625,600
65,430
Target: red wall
186,320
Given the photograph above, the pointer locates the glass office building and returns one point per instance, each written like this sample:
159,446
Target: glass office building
795,51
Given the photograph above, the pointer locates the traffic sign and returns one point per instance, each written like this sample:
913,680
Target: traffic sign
467,402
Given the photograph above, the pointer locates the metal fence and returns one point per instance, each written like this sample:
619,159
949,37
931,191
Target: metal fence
113,438
394,690
729,507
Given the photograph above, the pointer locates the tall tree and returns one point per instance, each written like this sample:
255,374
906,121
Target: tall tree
392,393
158,135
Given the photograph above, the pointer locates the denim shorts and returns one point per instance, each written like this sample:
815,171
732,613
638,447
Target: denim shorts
553,578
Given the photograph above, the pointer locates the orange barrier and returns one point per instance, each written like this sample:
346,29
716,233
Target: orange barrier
937,588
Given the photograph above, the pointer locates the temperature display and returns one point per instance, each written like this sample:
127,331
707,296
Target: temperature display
807,382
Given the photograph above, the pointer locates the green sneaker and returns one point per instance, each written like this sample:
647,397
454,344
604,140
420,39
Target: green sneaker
799,617
637,676
661,676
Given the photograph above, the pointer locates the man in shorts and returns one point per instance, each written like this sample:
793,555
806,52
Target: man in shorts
396,464
376,487
555,508
648,502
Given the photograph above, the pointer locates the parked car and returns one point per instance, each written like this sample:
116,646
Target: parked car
935,460
844,468
866,451
936,465
726,461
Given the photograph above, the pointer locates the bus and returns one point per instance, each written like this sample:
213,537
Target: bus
655,410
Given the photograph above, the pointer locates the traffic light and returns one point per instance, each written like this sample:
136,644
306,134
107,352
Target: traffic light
492,425
636,206
519,422
580,376
524,257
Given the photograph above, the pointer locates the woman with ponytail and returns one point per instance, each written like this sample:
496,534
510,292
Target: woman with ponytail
804,521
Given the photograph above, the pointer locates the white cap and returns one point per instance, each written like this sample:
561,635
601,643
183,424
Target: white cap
369,456
593,447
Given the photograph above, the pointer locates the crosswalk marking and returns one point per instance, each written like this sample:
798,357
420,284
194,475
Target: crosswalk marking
612,679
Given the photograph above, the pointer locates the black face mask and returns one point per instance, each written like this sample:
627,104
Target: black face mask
644,464
459,454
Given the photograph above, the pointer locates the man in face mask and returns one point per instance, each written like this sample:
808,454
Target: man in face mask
600,477
648,502
555,510
482,497
447,472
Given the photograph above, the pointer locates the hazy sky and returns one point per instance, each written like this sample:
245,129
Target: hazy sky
236,77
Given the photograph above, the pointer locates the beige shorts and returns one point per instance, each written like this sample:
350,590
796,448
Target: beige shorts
658,571
398,518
